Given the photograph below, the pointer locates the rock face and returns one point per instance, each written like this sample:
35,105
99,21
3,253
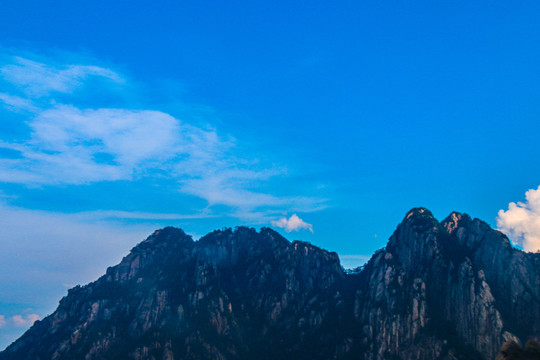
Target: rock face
454,289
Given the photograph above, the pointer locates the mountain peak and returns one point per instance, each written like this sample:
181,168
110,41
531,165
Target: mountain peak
419,217
418,212
242,294
168,236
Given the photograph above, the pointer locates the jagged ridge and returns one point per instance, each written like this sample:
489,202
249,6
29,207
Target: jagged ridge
448,290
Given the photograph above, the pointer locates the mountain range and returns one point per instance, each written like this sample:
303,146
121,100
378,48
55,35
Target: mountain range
454,289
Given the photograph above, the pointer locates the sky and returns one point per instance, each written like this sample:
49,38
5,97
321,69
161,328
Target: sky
326,121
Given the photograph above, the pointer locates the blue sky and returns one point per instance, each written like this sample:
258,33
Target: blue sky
327,121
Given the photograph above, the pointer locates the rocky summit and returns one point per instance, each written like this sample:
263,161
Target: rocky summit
454,289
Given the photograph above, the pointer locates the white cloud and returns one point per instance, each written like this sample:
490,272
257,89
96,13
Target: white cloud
130,135
294,223
24,320
2,321
38,79
522,221
73,146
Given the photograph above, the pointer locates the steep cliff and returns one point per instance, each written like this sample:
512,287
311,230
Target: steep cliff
454,289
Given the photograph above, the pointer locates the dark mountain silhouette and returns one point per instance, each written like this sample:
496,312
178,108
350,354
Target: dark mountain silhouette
454,289
512,351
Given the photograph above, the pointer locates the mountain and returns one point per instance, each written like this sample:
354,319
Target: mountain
454,289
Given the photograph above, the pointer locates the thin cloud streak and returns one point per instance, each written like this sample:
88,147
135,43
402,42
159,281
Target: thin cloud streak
16,103
118,214
39,79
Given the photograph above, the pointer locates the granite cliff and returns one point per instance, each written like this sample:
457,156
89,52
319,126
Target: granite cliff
454,289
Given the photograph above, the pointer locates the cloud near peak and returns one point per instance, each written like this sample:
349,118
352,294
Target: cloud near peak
294,223
19,320
521,222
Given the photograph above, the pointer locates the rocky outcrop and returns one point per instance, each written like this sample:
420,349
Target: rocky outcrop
454,289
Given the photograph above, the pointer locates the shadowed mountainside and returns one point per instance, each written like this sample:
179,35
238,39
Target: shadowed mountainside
454,289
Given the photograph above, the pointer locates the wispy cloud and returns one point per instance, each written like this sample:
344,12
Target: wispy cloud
294,223
2,321
522,221
71,145
38,79
24,320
